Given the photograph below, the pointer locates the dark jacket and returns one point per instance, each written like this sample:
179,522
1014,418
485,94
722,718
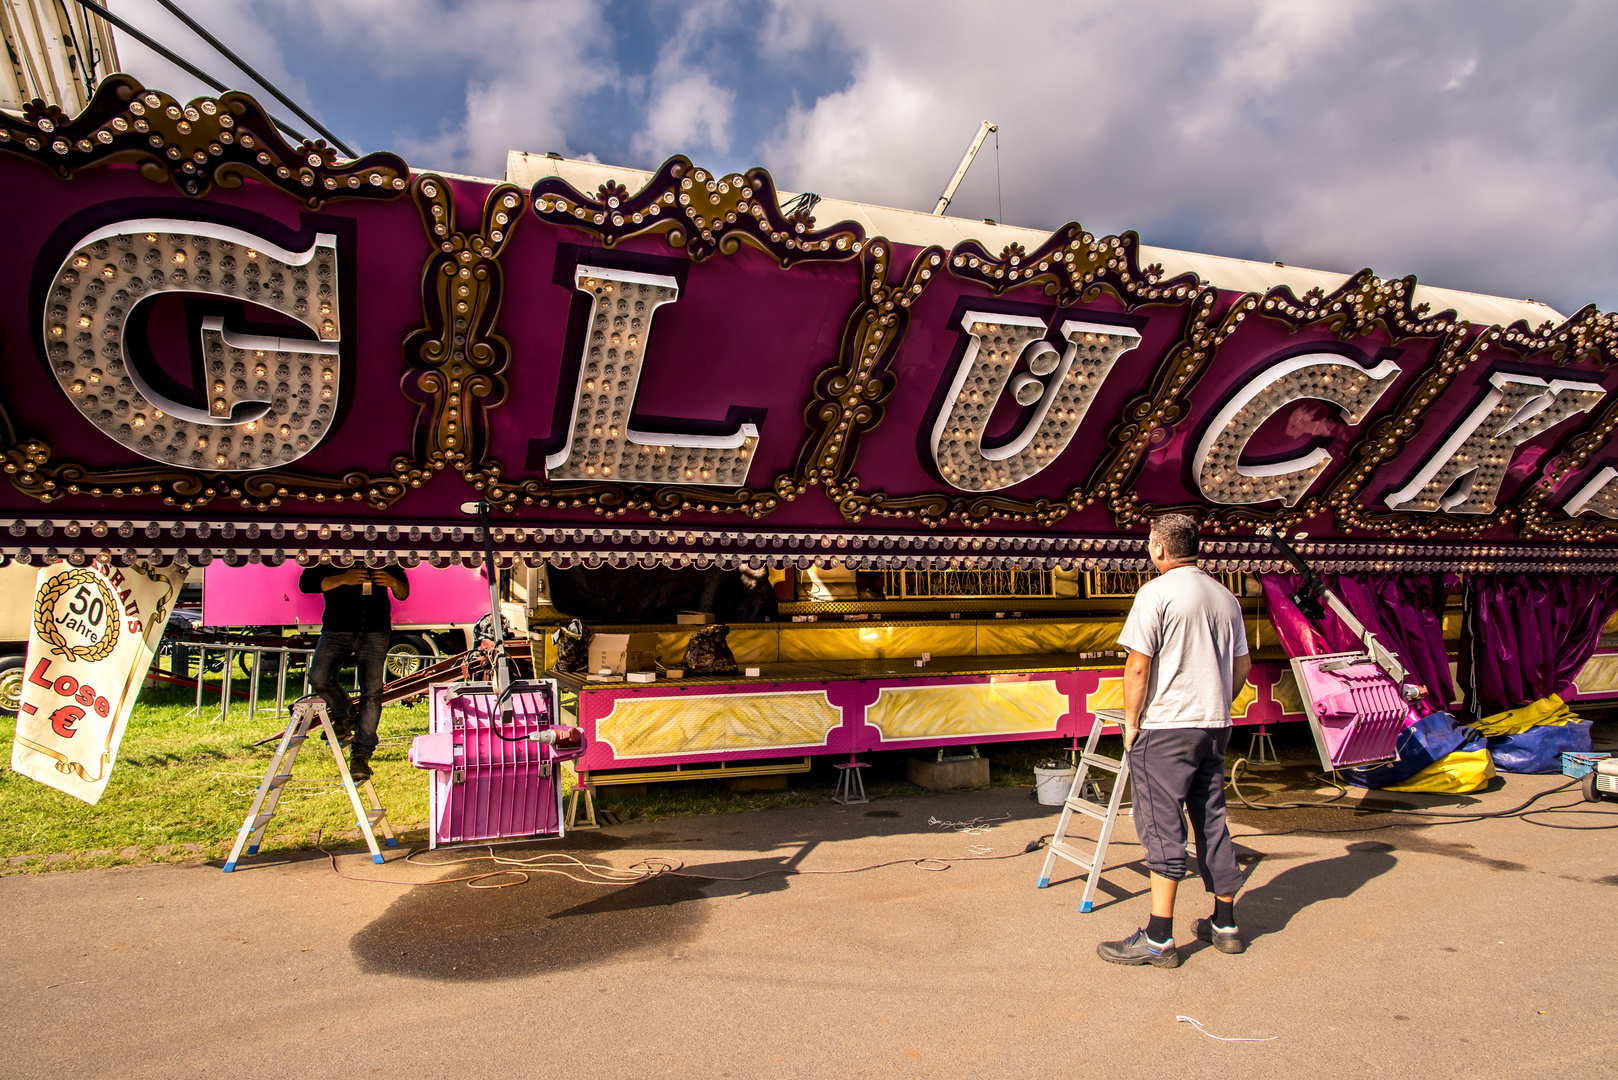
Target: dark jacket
348,609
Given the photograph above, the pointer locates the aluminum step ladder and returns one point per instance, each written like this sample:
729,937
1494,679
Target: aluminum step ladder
309,713
1110,721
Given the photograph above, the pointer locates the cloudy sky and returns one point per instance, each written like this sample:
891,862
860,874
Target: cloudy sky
1473,143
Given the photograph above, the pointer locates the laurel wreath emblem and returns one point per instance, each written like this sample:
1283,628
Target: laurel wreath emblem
45,611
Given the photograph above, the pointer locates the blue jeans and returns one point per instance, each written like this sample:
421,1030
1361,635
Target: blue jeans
369,651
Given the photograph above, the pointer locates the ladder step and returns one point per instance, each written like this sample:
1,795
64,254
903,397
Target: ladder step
1085,806
1073,854
280,778
1101,761
296,739
261,821
376,815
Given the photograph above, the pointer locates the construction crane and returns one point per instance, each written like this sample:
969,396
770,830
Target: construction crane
966,163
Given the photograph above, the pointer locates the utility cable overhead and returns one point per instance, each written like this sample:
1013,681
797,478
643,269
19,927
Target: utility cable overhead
253,74
174,58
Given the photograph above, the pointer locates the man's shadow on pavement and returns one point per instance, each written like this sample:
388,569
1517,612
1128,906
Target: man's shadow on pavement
1268,908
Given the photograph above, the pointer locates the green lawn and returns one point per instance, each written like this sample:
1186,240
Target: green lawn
184,779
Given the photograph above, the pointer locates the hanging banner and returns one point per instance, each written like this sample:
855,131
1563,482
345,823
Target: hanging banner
90,643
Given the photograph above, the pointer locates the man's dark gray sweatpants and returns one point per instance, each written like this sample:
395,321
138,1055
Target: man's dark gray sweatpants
1172,768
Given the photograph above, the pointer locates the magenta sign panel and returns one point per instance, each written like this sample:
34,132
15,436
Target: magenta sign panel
218,346
257,594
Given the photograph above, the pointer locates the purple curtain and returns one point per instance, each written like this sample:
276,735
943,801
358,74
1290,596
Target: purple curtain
1527,635
1404,611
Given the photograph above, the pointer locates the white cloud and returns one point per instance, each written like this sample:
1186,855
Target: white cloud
687,111
1471,142
520,68
1465,143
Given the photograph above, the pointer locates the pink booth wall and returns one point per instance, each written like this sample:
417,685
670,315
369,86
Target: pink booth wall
259,595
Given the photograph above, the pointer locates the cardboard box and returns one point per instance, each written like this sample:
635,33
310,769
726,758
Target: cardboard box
621,653
694,618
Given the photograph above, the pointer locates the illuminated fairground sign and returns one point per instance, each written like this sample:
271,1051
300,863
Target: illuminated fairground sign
216,345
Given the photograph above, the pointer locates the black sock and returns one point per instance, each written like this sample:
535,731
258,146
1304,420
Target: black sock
1224,915
1160,928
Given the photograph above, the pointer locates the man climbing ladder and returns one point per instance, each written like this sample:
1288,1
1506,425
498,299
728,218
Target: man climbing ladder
1187,661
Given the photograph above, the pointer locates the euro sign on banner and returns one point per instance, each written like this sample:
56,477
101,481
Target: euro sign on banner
90,642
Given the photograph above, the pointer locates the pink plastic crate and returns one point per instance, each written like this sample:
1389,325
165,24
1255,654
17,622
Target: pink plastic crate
482,787
1355,709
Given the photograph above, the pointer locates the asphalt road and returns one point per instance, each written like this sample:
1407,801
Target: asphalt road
1479,948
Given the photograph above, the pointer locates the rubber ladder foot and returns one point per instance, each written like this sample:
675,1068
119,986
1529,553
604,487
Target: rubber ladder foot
393,843
1084,908
229,867
1042,883
377,859
253,850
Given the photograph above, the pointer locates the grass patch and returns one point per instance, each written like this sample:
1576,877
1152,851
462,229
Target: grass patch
183,783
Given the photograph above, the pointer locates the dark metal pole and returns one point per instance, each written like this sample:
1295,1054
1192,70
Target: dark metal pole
175,59
220,47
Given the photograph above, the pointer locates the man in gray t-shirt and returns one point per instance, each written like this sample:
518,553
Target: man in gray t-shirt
1187,661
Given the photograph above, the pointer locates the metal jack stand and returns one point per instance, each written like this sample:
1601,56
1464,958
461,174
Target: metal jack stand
584,797
1261,750
850,783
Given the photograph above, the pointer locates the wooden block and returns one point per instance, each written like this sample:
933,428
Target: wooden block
757,783
953,775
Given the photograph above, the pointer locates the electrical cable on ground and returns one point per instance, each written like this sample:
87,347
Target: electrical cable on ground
1194,1022
1521,811
653,866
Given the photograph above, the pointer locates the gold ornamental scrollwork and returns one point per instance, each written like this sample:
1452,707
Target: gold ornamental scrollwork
456,363
45,616
196,146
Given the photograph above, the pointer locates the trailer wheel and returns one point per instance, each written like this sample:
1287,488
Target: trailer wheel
1591,792
11,679
407,654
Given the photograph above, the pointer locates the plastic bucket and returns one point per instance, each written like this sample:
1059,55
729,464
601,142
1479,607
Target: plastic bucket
1052,785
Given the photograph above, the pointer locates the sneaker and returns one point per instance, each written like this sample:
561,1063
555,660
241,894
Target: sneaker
359,766
1225,941
1135,949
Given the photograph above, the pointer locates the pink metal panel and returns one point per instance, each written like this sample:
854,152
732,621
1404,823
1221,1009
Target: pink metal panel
258,595
1355,709
853,696
484,787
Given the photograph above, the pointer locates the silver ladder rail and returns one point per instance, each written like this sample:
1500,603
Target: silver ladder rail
308,713
1110,721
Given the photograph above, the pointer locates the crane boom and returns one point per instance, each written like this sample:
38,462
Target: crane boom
966,163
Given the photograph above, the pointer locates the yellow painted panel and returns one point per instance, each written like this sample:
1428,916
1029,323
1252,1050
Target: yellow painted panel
761,645
690,724
1285,693
1260,632
995,708
1599,676
1248,695
1036,639
875,641
752,645
1109,695
671,646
